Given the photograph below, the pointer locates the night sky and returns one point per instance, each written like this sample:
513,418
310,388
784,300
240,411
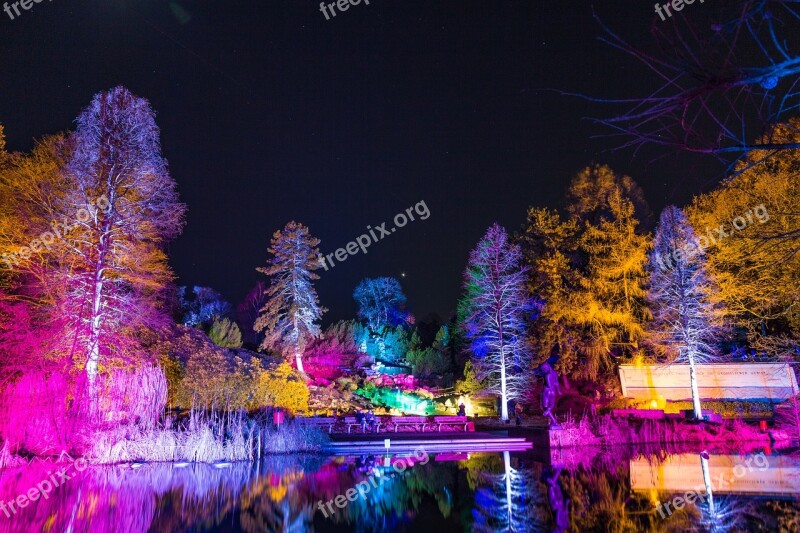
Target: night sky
270,113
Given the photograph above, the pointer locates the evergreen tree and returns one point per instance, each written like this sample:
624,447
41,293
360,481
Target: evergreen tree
496,303
225,333
686,323
610,303
290,317
588,270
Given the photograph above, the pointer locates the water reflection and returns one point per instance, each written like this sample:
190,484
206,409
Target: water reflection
452,492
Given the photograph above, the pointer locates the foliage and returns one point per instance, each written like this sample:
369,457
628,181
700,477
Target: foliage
588,270
380,302
208,438
756,267
496,309
207,306
470,384
283,388
225,333
247,312
434,360
289,318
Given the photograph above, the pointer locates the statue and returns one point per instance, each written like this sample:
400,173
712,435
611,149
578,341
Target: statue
550,393
558,503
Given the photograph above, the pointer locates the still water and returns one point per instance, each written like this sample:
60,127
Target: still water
582,490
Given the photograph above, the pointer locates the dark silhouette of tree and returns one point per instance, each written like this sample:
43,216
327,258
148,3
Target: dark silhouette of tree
726,74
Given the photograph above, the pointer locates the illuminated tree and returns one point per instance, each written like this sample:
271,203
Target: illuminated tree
726,73
589,272
117,268
208,306
686,321
289,319
751,224
496,305
610,303
380,303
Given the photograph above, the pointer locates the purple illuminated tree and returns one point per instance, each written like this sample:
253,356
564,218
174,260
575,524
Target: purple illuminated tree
114,263
686,320
495,305
289,317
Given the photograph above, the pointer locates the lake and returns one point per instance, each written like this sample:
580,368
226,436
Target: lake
574,490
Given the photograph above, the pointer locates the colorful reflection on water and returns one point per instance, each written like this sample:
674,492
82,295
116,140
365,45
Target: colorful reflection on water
582,491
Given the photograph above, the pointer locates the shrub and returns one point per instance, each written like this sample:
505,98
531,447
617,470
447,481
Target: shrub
281,387
225,333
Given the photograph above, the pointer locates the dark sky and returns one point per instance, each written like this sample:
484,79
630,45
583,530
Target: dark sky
270,113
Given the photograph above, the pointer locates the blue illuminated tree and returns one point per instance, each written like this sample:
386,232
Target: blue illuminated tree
495,305
207,306
289,319
380,302
686,320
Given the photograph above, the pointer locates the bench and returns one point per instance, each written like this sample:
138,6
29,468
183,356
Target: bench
413,422
350,422
320,422
454,421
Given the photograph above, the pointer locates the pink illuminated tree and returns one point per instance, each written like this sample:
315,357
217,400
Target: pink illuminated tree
289,319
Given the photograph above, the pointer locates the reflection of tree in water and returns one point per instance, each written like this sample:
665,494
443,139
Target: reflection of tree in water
507,498
395,500
603,501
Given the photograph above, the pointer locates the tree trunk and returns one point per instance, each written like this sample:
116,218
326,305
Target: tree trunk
93,344
299,358
709,487
698,410
509,501
503,390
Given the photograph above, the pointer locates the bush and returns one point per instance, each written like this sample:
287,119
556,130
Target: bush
225,333
283,388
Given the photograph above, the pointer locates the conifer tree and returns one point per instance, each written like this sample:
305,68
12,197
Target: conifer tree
494,321
686,322
289,319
